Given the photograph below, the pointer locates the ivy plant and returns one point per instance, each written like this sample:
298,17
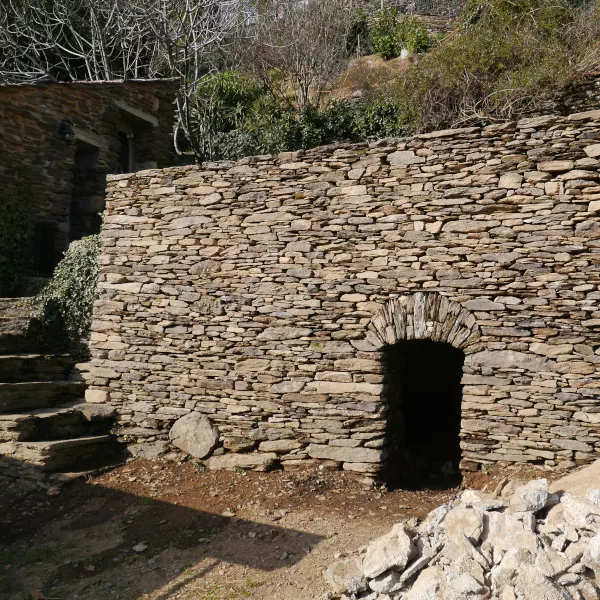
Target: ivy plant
68,299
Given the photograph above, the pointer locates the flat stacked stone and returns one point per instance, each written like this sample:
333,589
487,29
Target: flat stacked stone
261,293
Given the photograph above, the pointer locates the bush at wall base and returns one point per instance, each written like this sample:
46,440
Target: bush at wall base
62,311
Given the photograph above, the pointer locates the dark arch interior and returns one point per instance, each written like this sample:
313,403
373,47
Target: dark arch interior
423,393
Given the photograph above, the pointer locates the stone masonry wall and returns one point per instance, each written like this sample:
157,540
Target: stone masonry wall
260,293
423,8
34,157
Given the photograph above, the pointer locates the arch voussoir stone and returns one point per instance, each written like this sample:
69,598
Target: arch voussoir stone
423,316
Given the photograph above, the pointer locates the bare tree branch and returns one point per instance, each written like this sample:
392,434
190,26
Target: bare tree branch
67,40
304,40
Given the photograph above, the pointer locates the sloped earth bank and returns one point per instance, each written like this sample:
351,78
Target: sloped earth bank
522,542
160,530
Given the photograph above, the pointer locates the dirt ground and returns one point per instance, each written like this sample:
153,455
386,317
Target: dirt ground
157,530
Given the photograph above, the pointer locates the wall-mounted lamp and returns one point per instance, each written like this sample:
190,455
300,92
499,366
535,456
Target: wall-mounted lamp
65,130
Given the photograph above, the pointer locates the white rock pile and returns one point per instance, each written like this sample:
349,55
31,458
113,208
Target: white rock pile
524,544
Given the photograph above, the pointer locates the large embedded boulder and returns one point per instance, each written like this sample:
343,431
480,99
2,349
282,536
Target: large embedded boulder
194,434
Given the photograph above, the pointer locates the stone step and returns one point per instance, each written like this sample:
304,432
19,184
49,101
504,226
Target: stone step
13,325
18,397
13,335
16,483
15,317
25,458
14,307
62,422
34,367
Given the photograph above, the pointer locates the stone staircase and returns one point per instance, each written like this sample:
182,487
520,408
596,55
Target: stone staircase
13,324
46,427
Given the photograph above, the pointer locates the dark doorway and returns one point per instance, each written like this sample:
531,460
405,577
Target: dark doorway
424,393
87,200
45,255
125,149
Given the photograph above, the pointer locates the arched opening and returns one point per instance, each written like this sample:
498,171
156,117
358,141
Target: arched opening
423,394
423,339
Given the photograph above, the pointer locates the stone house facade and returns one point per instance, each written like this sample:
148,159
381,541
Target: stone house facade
406,302
446,8
443,8
117,126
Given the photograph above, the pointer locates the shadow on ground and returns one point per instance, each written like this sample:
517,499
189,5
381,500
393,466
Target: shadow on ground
89,541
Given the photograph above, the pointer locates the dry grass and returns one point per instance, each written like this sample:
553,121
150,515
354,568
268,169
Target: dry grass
368,73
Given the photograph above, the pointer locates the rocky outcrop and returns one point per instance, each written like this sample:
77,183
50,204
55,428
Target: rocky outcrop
529,545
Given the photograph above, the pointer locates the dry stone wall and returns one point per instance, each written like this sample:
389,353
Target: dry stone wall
261,293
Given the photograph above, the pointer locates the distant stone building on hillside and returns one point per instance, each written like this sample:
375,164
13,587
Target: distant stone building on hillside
58,141
446,8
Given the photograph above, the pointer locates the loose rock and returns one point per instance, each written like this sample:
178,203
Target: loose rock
513,549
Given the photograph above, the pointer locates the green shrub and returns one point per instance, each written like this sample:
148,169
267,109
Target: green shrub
270,132
231,95
549,18
412,35
223,101
235,144
15,239
509,55
383,30
391,32
358,38
383,115
64,306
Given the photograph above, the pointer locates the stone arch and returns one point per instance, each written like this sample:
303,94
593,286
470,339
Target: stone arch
424,316
415,335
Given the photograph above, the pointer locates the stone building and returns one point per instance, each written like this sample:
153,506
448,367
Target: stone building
438,16
420,303
445,8
115,126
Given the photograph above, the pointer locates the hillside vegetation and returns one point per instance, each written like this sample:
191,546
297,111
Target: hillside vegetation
258,80
505,58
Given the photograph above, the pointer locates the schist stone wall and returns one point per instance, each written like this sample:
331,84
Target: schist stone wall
66,181
261,293
422,8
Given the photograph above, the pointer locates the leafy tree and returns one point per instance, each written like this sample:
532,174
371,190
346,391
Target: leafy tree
383,31
391,32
